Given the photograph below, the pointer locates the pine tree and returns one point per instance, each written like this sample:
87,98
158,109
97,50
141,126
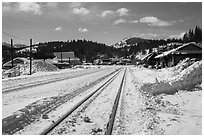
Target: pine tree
193,36
198,34
185,38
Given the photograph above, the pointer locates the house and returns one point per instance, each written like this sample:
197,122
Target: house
67,57
174,56
149,59
16,61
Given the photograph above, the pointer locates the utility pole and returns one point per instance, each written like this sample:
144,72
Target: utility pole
30,56
44,46
61,53
12,52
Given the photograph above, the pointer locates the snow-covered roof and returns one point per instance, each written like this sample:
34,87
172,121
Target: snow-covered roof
165,53
18,58
176,50
187,44
9,63
148,56
23,59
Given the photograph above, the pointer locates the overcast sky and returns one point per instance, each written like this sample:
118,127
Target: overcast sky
103,22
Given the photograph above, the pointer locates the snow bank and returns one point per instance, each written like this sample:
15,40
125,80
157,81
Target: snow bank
183,65
24,69
187,78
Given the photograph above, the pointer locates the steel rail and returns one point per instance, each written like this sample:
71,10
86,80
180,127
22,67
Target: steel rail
109,127
52,126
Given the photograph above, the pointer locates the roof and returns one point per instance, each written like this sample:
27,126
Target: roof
65,55
165,53
182,50
17,58
187,44
148,56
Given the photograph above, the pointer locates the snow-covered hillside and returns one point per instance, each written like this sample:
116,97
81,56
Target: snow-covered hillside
128,42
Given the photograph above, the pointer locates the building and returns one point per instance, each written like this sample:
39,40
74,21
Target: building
149,59
174,56
67,57
16,61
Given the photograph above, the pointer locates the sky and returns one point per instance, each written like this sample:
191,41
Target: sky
103,22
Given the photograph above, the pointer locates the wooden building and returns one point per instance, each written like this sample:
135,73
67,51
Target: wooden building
67,57
174,56
149,59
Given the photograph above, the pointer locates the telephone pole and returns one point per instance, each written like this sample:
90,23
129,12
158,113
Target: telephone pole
61,54
12,52
30,56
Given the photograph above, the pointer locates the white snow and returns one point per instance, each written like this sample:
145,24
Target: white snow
147,106
98,112
13,101
177,105
167,81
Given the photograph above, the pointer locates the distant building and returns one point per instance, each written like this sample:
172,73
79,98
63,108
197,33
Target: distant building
67,57
106,61
174,56
16,61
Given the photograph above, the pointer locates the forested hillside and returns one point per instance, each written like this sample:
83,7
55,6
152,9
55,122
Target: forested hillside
83,49
89,50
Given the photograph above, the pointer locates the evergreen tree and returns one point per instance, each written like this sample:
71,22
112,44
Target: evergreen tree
198,34
193,36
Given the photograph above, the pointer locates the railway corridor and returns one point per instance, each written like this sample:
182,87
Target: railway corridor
92,117
109,101
15,100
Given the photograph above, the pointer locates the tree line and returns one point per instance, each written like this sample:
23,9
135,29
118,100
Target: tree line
85,50
193,35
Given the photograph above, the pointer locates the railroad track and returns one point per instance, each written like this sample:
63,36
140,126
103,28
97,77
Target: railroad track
47,81
110,123
115,107
10,124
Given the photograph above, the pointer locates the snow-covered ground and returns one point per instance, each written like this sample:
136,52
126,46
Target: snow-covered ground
166,101
92,117
34,100
46,77
172,99
15,100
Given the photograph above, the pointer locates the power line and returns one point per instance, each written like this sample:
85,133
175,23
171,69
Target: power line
16,38
11,35
16,42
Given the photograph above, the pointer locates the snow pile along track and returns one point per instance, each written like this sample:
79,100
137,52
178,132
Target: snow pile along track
24,69
188,78
30,81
